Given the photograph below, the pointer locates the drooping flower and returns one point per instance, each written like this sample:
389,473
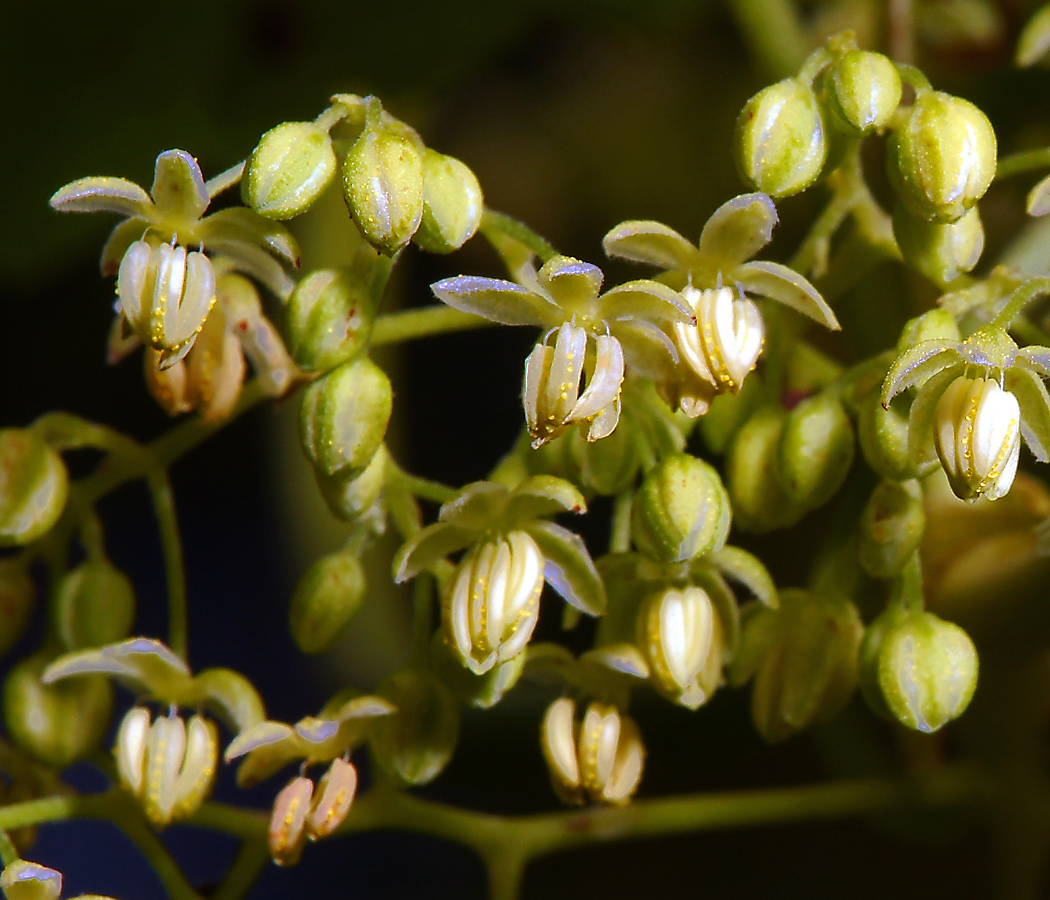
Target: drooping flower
302,812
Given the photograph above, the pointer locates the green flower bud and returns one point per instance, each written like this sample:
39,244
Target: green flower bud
891,528
480,691
942,157
919,668
759,502
941,252
329,318
17,593
383,187
883,436
353,496
23,880
415,743
57,723
344,416
933,325
33,486
815,450
325,600
864,90
779,143
289,170
809,671
452,204
681,510
607,467
94,605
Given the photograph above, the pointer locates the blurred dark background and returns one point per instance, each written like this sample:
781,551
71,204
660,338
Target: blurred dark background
574,115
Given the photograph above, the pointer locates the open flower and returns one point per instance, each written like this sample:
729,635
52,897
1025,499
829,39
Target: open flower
492,602
595,335
721,346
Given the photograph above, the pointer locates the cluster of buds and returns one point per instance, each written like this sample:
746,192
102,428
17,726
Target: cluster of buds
599,756
304,812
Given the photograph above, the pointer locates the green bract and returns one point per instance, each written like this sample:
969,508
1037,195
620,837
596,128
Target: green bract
288,170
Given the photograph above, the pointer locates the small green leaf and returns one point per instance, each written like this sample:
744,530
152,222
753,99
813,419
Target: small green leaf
232,696
738,229
569,281
433,543
650,242
115,195
646,300
569,568
770,279
542,495
748,570
917,365
143,664
178,187
1034,401
478,505
498,301
240,224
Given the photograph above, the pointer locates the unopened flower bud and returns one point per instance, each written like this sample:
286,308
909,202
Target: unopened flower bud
920,668
492,604
452,203
480,691
287,832
33,486
383,187
779,142
94,605
24,880
815,450
600,757
288,170
681,510
758,501
329,318
165,295
344,417
942,157
864,90
415,743
681,635
883,436
332,799
17,593
56,723
352,495
891,528
978,438
933,325
325,600
942,252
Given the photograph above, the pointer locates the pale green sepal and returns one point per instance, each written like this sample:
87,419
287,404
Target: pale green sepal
724,602
98,194
922,415
477,506
649,352
232,696
748,570
933,325
570,281
778,282
24,880
624,658
225,180
917,365
650,242
144,664
1038,202
1034,359
120,238
430,545
256,263
542,495
568,567
498,301
241,224
517,257
262,734
178,187
738,229
1034,42
646,300
1034,402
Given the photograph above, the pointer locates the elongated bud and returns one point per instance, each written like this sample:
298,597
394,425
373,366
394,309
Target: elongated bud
414,744
864,90
681,510
815,450
758,501
288,170
452,204
33,486
94,605
351,495
942,252
883,436
492,605
977,435
344,417
383,188
779,143
329,318
920,668
287,832
325,600
17,593
24,880
891,528
57,723
165,295
332,799
942,157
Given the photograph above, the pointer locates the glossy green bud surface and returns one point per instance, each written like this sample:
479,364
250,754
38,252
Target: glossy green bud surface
33,486
864,89
452,203
815,450
329,319
325,600
288,170
94,605
758,500
942,252
890,528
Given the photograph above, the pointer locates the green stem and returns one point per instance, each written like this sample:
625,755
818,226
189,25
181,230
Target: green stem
171,545
425,489
8,853
422,619
244,872
1025,161
518,231
157,855
1034,287
907,590
412,324
620,534
774,34
506,867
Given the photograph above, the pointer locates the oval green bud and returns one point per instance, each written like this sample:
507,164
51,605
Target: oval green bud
325,600
94,605
57,723
452,204
883,436
779,142
17,593
815,450
864,90
933,325
891,528
344,417
353,496
942,157
941,252
924,668
480,691
415,743
759,502
681,510
33,486
329,318
289,170
383,188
